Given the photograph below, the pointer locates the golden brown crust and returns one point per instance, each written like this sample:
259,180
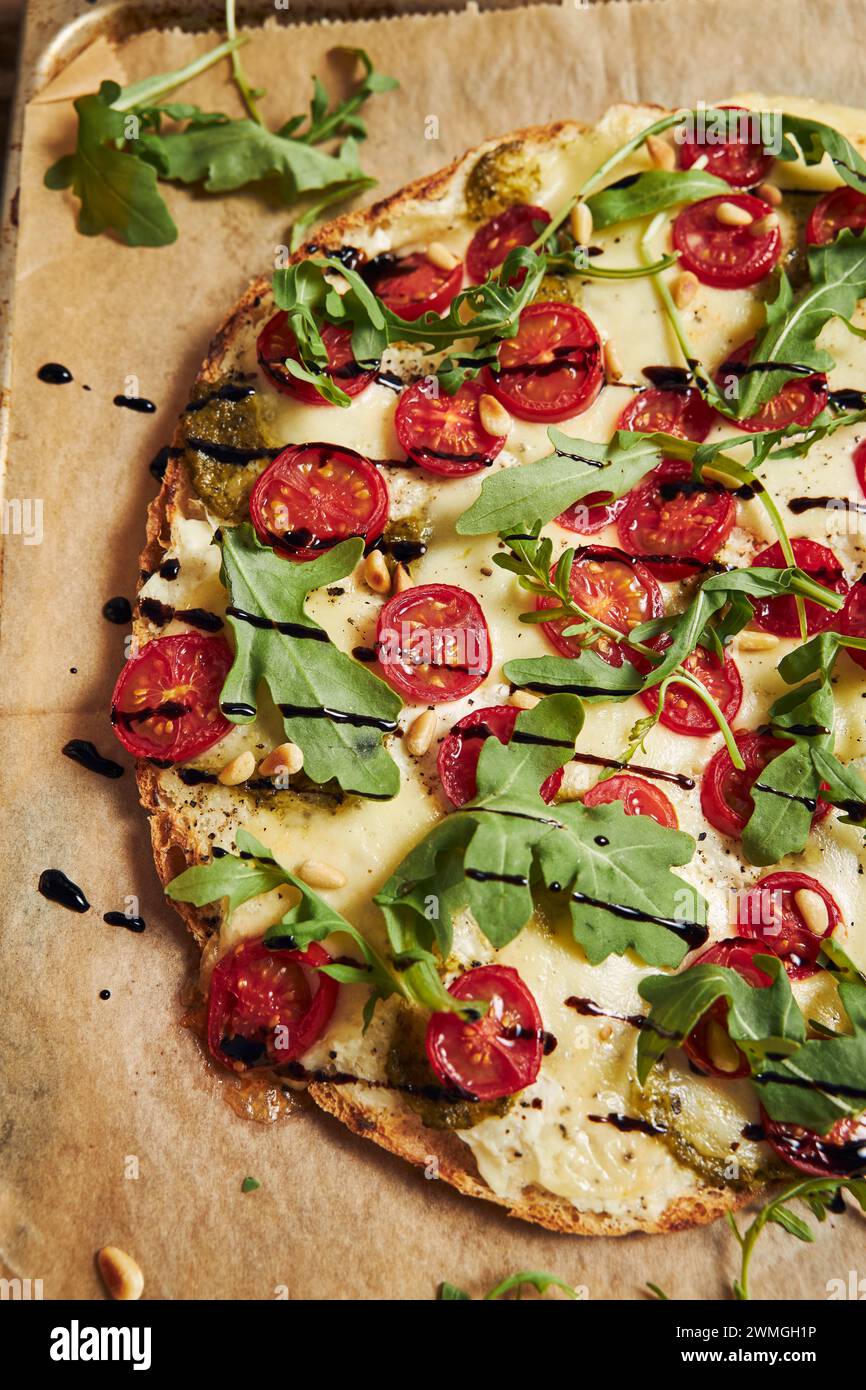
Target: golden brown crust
402,1135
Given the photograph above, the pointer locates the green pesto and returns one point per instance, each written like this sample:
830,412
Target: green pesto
557,287
407,1065
414,529
501,178
225,487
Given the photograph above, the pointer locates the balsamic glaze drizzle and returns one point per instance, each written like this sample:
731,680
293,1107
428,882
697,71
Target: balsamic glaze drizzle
628,1124
54,374
161,613
120,919
86,754
117,610
315,634
57,888
138,403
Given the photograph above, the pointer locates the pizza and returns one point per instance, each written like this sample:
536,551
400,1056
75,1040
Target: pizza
498,664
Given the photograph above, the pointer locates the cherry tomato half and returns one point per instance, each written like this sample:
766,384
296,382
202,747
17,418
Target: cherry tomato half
262,1009
276,342
444,434
858,458
683,710
500,1053
841,1153
553,368
844,207
460,750
709,1045
801,398
314,495
769,911
779,615
726,798
728,257
639,798
674,524
739,160
852,620
166,701
411,286
433,643
612,587
519,225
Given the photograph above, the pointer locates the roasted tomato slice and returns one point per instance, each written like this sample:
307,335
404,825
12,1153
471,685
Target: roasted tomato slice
268,1006
314,495
519,225
709,1044
726,798
411,285
433,643
683,710
500,1053
674,524
844,207
852,620
799,401
639,798
858,458
739,160
444,434
779,615
772,911
612,587
166,701
553,368
276,342
841,1153
684,414
730,258
460,750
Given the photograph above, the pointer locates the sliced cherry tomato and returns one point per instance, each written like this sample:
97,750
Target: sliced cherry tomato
799,401
769,911
460,750
684,414
726,798
683,710
852,620
262,1009
443,433
553,368
639,798
276,342
728,257
519,225
709,1044
314,495
859,461
840,1153
612,587
411,285
433,643
166,701
779,615
844,207
500,1053
674,524
739,160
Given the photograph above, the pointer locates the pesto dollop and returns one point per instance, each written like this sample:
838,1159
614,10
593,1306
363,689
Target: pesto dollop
407,1065
501,178
231,421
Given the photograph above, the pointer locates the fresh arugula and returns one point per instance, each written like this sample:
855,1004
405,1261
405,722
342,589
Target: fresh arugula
652,191
825,1079
333,708
536,1279
818,1194
496,853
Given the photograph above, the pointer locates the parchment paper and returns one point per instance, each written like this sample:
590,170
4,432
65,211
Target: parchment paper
95,1090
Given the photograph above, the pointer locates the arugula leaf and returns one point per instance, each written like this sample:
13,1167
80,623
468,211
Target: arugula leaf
814,139
235,878
586,675
537,1279
449,1293
817,1193
335,709
763,1022
826,1078
650,192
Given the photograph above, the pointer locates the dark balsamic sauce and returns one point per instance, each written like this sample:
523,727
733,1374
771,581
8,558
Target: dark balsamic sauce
159,462
229,453
693,933
315,634
161,613
54,374
169,569
319,1076
485,876
809,802
336,716
367,654
105,994
847,398
117,610
589,1009
756,1133
57,888
120,919
242,711
138,403
669,378
798,505
86,754
230,391
628,1124
679,779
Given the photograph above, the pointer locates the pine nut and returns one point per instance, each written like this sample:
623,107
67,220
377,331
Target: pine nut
685,288
721,1049
701,162
319,875
494,417
580,222
757,641
420,734
524,699
120,1274
732,215
238,769
660,152
813,910
288,757
376,575
605,1033
764,225
440,256
613,368
402,579
770,194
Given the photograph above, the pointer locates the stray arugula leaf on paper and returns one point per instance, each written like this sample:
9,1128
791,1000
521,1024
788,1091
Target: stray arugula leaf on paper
532,1278
819,1194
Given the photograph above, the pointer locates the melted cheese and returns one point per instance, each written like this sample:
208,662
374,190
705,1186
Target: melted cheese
553,1145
